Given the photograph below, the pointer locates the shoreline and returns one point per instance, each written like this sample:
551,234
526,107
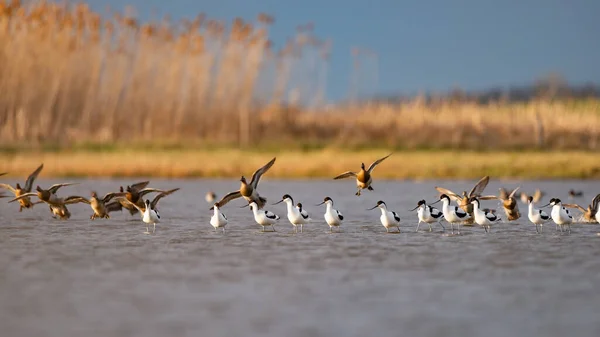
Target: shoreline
228,163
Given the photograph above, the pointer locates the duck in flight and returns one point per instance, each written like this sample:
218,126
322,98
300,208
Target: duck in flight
363,177
248,191
17,191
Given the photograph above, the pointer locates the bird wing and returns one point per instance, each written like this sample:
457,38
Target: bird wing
340,215
491,216
595,202
512,194
75,199
111,195
487,197
375,163
127,202
449,193
30,194
345,175
114,206
270,215
145,191
163,194
228,197
304,213
575,206
258,173
55,187
479,187
139,186
32,177
396,216
538,195
8,187
459,212
503,194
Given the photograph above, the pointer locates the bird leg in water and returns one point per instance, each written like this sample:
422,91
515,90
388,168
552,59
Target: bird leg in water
418,224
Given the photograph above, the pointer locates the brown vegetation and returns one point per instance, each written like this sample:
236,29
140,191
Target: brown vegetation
69,75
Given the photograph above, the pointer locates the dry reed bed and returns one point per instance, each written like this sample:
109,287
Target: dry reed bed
296,164
69,75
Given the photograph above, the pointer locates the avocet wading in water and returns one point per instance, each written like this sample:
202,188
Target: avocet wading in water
149,212
560,215
536,216
262,217
363,177
218,220
483,218
428,215
452,214
388,219
295,214
591,213
333,217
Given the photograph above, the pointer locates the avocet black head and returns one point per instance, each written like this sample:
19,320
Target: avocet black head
555,201
147,202
379,203
530,200
475,201
419,204
285,196
325,200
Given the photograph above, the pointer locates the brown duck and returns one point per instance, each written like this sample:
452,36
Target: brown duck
17,191
248,190
589,213
363,177
464,200
101,206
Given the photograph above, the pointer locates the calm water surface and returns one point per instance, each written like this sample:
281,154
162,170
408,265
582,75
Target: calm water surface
108,278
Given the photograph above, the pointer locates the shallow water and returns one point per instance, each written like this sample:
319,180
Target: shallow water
108,278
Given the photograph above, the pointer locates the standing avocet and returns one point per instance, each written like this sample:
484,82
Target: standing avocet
536,216
388,218
452,214
560,215
218,220
150,214
483,218
428,215
295,214
333,217
262,217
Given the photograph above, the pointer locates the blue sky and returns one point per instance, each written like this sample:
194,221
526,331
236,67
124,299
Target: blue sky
427,45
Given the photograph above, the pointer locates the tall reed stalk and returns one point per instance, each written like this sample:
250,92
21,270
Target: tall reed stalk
69,75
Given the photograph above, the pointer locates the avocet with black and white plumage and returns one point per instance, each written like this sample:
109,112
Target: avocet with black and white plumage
262,217
452,214
218,220
333,217
483,218
560,215
428,215
388,219
295,214
536,216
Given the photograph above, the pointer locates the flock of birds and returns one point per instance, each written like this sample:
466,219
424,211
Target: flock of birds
467,211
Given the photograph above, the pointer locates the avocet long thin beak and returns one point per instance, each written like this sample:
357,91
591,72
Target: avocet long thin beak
280,201
368,209
433,203
245,206
415,208
546,205
320,204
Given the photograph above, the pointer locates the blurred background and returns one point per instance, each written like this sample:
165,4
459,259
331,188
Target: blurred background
514,80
